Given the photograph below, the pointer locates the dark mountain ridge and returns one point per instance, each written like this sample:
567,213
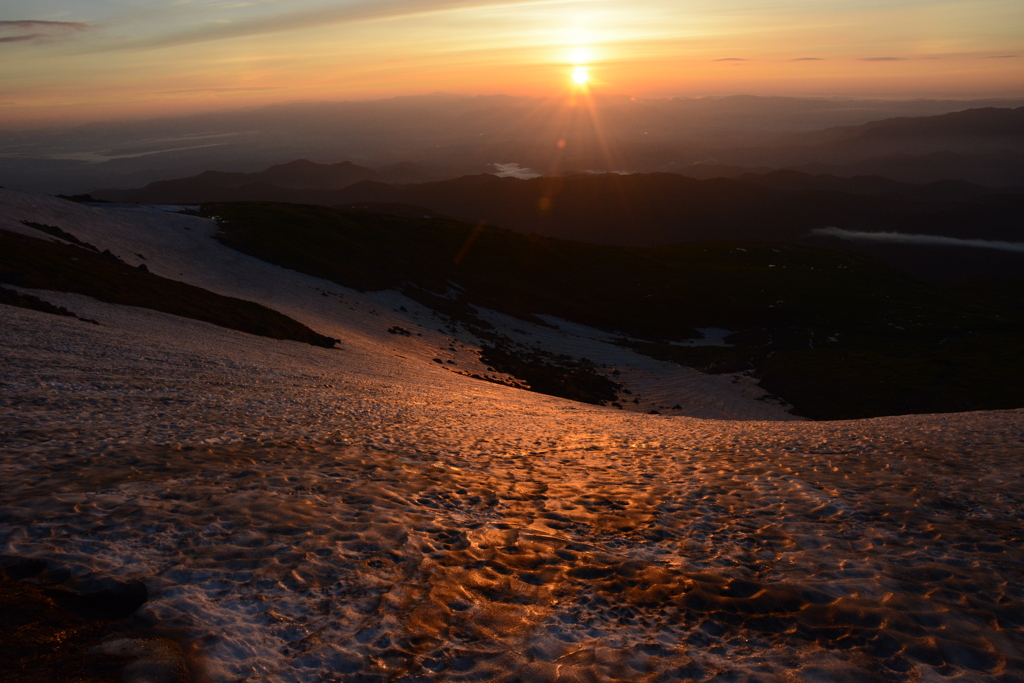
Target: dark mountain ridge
986,122
602,207
984,146
792,180
942,152
295,175
664,208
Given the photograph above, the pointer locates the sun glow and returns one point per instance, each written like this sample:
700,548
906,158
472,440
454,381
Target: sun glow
580,76
581,55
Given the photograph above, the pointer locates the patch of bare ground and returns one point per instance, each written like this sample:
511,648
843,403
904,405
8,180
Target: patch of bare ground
55,635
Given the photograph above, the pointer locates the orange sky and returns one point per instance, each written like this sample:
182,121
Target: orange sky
67,60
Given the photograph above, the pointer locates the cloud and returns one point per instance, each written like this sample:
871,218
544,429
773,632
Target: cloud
218,90
347,13
32,30
807,59
883,59
1001,57
929,240
731,59
30,24
514,170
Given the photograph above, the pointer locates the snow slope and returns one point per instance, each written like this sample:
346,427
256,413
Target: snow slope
182,248
362,513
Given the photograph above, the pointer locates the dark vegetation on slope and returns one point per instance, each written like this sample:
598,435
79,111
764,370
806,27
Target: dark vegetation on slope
574,379
952,266
875,376
60,234
836,334
14,298
41,264
660,208
1004,292
518,365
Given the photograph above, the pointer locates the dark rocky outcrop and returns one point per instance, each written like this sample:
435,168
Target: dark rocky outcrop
60,630
41,264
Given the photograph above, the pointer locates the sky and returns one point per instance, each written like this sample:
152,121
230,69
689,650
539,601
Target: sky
75,60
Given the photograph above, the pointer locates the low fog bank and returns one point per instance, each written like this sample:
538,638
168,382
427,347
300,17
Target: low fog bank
929,240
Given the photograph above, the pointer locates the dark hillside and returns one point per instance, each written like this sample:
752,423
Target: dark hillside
796,181
984,122
661,208
41,264
782,301
276,183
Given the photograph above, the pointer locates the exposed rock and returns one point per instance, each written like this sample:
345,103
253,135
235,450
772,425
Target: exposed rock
153,660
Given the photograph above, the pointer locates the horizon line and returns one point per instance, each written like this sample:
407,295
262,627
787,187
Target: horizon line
35,124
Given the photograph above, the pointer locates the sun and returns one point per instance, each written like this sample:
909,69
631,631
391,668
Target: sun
580,76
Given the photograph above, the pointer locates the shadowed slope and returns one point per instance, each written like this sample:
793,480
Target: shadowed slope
805,320
39,264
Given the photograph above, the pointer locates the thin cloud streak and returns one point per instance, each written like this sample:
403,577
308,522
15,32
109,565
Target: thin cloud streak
317,18
32,23
929,240
883,59
18,39
40,30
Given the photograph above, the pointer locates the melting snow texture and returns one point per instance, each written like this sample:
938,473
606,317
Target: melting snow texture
306,514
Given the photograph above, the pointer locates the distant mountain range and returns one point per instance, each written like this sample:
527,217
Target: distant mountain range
984,146
994,125
637,209
448,136
724,202
663,208
273,184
